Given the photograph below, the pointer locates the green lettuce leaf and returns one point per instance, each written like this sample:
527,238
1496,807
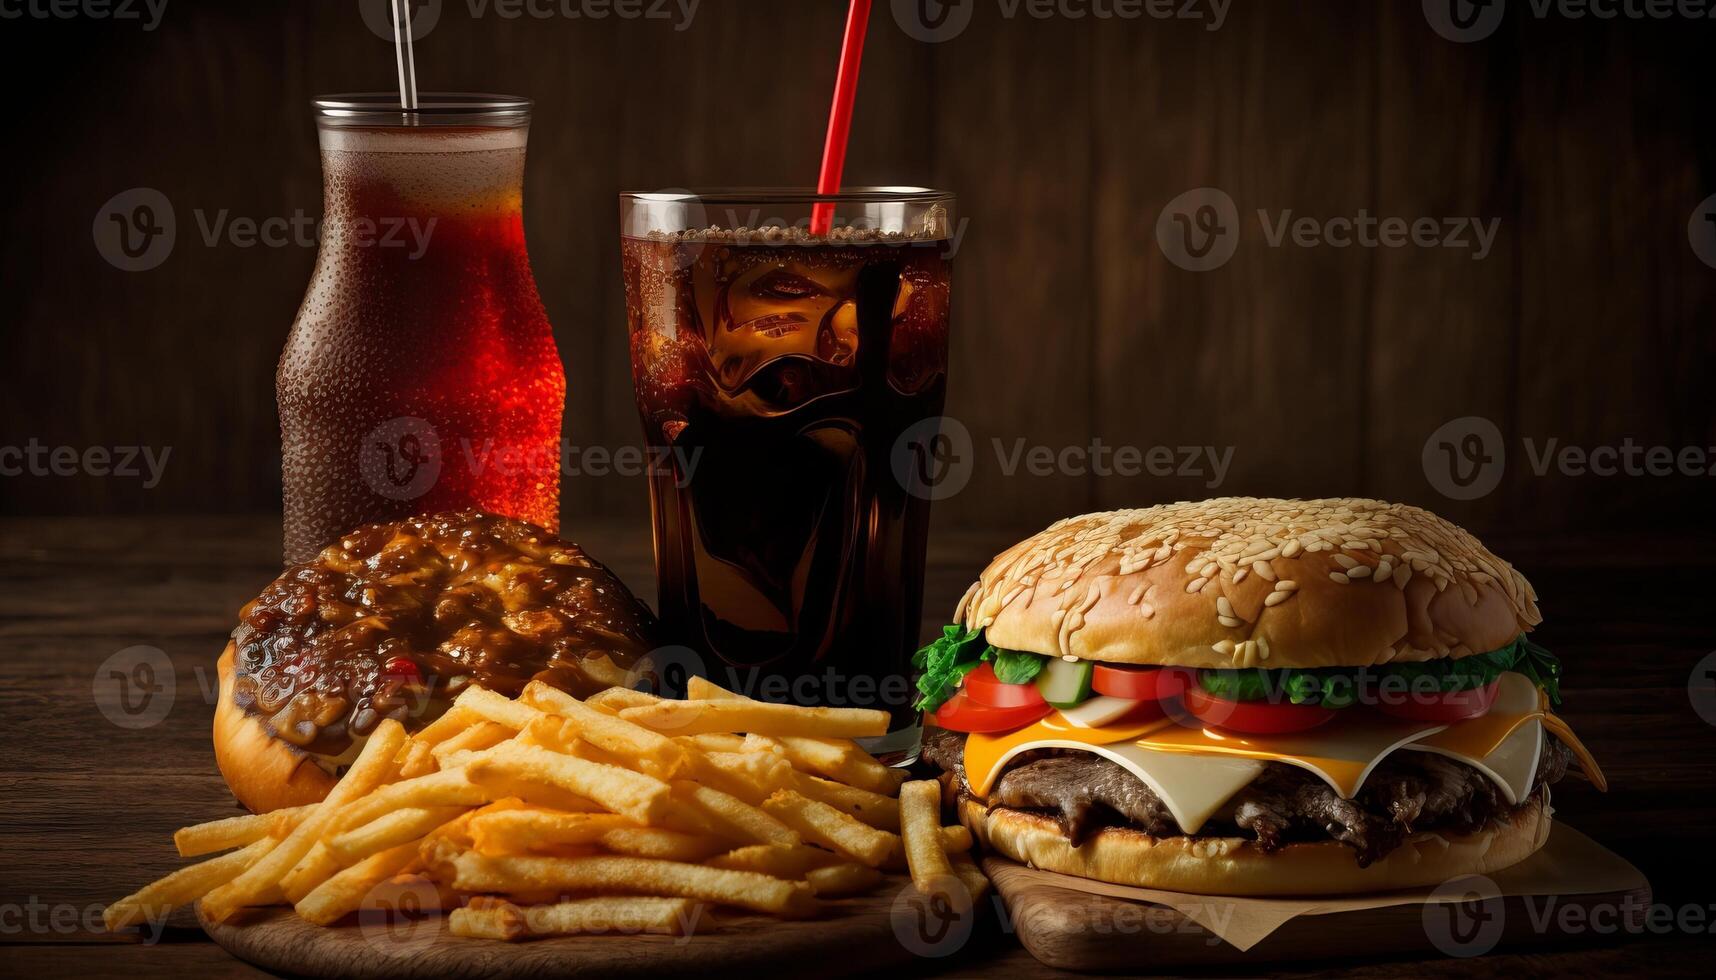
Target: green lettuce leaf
1014,666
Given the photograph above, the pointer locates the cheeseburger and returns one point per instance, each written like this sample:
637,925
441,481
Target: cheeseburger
393,621
1250,696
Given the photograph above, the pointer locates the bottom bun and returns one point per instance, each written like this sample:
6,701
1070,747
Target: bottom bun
1237,866
261,770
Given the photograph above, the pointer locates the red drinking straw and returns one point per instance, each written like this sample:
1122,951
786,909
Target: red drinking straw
840,116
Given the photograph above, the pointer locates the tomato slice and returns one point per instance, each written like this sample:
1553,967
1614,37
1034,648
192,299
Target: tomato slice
962,714
1140,683
1442,706
1254,717
985,688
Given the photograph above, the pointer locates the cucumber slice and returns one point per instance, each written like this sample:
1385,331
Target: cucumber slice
1064,683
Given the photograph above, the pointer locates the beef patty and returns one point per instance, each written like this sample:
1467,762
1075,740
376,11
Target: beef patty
1406,793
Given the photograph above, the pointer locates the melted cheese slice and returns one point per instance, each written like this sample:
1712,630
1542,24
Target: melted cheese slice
986,754
1517,702
1512,765
1342,753
1191,787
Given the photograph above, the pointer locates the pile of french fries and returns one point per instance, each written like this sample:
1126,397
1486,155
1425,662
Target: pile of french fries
547,815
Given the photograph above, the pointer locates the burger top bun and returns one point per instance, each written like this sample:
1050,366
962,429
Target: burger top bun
1252,582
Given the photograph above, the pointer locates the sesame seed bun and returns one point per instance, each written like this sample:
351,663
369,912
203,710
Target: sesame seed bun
262,771
1237,866
1252,582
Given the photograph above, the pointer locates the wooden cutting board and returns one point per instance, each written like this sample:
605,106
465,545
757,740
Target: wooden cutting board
1067,926
855,935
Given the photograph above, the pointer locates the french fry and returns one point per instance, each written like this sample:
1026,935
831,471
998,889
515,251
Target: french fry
734,817
715,742
317,865
971,876
758,717
344,892
656,753
920,830
743,889
417,759
502,786
881,812
616,699
777,862
761,743
842,879
452,721
482,735
219,835
955,840
822,824
840,760
533,828
372,766
494,707
644,799
628,916
751,776
658,842
449,787
704,689
389,831
152,902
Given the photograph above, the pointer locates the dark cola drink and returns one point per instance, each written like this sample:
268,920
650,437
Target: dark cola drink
780,377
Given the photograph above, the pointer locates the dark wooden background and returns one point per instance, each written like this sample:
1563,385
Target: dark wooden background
1325,369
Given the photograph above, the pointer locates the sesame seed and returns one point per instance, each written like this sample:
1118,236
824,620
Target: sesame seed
1276,598
1338,577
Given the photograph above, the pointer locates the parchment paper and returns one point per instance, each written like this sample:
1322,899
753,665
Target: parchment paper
1569,863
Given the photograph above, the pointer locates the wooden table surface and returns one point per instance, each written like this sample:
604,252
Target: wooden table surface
87,807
